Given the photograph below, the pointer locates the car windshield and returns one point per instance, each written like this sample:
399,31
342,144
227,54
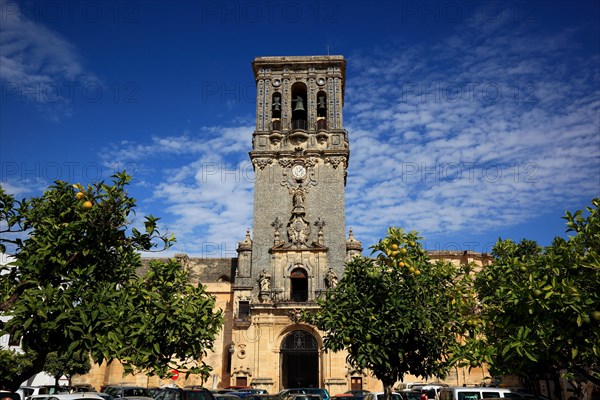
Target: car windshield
395,396
136,392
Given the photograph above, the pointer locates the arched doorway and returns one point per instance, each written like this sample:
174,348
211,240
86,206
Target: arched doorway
299,360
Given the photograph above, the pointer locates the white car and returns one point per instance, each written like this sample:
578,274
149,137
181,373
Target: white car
75,396
474,393
381,396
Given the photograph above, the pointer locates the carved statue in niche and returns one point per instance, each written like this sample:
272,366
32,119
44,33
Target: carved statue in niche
331,279
264,281
298,200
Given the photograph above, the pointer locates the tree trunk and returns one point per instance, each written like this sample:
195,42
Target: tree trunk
388,382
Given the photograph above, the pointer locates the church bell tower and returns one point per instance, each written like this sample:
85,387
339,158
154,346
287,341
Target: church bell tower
298,246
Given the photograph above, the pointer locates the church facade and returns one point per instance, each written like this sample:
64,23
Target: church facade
298,245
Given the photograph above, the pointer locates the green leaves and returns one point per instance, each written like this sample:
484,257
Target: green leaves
391,319
74,285
538,303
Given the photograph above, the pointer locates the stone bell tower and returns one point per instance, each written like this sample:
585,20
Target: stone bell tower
298,244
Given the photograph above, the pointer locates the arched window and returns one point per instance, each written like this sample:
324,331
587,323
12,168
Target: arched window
299,114
299,285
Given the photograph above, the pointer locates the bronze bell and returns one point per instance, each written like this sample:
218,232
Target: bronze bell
321,103
276,103
299,104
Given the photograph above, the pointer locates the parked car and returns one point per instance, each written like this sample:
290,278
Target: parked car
381,396
57,389
26,391
225,396
9,396
83,387
127,391
474,393
75,396
38,397
430,390
172,393
358,393
410,395
248,392
345,396
105,396
318,391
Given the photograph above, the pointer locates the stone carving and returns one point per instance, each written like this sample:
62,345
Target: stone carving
277,225
295,315
298,200
184,260
320,224
241,351
311,162
331,279
264,281
335,161
298,230
285,162
261,163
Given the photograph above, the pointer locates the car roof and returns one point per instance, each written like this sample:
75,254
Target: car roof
75,396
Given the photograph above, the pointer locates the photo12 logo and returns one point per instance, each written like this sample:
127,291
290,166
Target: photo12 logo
68,171
269,12
65,12
68,92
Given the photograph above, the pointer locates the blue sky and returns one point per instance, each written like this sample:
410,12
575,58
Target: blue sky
468,121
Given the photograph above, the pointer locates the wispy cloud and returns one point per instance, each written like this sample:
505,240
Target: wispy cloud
205,185
484,130
38,64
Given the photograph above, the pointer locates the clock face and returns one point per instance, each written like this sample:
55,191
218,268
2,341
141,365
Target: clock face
298,171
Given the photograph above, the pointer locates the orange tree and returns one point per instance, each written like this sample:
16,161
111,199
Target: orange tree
541,307
398,313
74,286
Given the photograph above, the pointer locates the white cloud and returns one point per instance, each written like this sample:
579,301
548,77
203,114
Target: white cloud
205,185
486,131
38,63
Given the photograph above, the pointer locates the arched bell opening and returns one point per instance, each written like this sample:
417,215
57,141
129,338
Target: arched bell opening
276,112
299,360
299,285
299,113
321,110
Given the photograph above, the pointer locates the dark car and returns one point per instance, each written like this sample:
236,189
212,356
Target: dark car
249,392
127,391
184,394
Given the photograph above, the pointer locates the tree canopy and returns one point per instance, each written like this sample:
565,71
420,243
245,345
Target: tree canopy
399,313
541,307
67,364
74,284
